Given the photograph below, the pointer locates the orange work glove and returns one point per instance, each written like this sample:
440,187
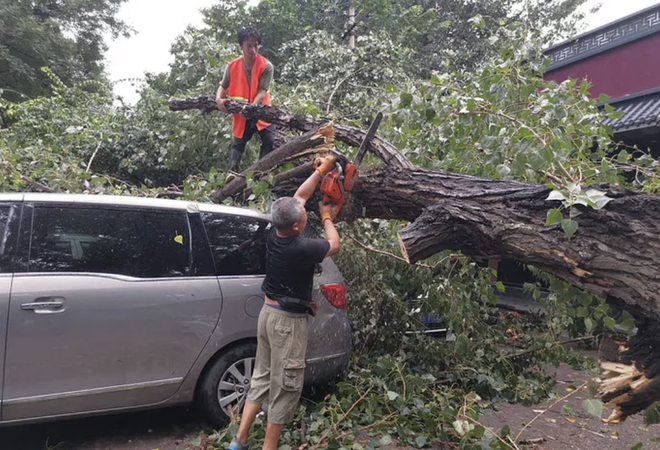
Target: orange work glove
327,211
325,164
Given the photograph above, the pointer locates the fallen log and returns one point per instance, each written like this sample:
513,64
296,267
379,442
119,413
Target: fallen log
615,253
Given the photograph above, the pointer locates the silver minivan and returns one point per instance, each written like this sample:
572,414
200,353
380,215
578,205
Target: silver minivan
112,303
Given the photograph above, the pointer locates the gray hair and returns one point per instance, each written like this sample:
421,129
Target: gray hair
285,212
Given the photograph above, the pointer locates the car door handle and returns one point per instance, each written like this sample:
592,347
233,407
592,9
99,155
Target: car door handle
51,304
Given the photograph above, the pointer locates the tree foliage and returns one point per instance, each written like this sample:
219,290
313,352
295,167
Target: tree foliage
67,37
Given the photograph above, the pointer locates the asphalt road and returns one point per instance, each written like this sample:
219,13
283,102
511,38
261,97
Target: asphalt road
168,429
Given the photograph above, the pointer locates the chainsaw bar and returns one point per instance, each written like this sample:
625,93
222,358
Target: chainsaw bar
370,135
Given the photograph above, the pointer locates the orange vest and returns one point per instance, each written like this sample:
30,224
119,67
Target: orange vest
239,90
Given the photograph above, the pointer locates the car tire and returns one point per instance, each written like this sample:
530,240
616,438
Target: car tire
226,383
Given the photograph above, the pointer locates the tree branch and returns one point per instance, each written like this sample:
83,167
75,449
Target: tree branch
349,135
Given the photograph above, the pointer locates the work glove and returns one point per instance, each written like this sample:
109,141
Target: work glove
325,164
327,211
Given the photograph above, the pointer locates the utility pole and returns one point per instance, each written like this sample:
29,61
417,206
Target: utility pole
351,25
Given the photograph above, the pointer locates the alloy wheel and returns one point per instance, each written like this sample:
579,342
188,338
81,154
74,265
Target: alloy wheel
234,386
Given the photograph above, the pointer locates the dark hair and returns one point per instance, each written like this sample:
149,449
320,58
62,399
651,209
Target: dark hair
248,32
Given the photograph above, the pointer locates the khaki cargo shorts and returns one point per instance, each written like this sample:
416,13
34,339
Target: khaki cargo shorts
280,368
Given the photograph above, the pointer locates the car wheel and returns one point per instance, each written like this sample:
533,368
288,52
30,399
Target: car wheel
225,385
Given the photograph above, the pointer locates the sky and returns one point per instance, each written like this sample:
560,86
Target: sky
159,22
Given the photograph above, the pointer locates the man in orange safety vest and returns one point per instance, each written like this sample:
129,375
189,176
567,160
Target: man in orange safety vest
247,78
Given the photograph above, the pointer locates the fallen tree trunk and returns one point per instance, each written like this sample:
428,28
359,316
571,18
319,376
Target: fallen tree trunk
615,254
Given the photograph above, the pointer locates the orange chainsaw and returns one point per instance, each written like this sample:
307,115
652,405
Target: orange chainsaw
336,185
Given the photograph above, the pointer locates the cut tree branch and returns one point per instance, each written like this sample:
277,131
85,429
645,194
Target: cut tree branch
312,139
279,116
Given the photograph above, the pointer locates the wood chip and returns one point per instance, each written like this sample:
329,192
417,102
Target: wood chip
617,367
532,441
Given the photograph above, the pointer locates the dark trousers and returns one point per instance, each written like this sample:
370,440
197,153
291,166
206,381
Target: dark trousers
267,136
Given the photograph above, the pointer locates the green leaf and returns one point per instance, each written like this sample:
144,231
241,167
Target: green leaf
585,300
623,156
644,160
503,170
574,188
609,323
637,446
574,212
600,199
582,312
602,98
615,114
556,195
567,410
593,407
569,226
581,200
584,88
499,286
589,324
652,414
406,99
627,321
628,324
478,22
385,440
462,345
554,216
420,441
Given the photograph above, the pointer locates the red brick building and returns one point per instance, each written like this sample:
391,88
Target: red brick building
622,60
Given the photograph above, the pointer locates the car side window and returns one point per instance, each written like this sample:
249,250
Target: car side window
134,242
238,243
7,237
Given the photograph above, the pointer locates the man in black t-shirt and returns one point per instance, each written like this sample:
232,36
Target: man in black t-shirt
282,331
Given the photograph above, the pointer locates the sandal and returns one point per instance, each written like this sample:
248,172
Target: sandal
236,444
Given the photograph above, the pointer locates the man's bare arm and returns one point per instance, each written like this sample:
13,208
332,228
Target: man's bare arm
221,98
332,236
261,94
306,189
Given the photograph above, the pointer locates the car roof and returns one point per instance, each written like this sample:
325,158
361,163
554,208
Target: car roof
121,200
